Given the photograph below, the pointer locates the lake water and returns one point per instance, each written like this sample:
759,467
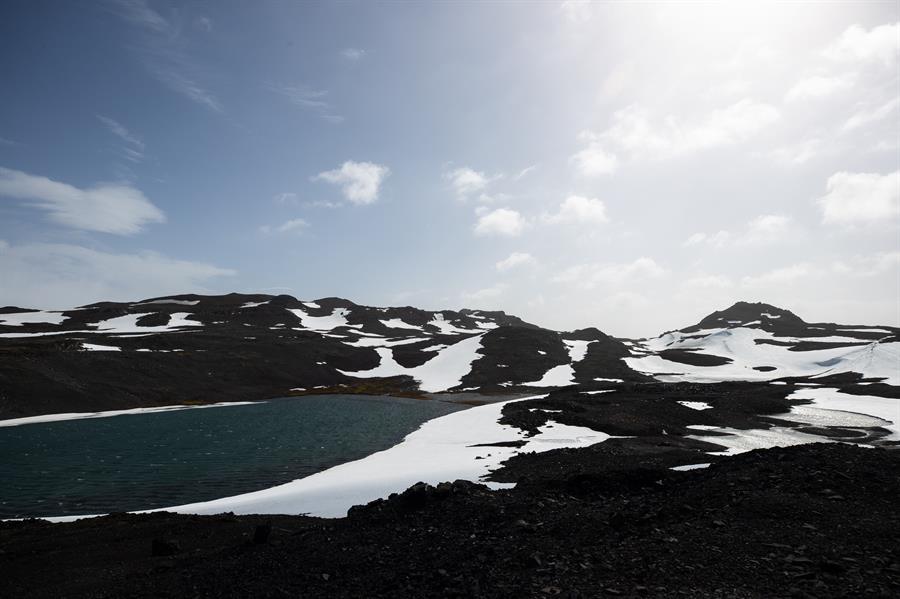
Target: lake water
142,461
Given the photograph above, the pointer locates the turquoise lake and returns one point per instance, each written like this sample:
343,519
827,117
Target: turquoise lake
144,461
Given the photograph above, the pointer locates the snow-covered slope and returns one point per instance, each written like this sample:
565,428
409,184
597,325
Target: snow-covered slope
760,342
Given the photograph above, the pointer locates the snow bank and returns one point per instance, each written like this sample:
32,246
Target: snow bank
696,405
109,413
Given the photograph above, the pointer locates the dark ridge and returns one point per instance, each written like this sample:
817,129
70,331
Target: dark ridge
745,312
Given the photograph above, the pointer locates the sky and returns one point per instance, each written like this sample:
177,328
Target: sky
629,166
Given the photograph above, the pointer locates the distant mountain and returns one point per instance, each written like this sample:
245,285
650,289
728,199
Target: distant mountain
762,342
204,349
193,348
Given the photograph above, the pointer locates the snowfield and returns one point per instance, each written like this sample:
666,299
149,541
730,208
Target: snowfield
442,372
872,360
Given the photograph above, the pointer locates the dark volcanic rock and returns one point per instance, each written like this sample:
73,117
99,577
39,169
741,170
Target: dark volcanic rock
806,521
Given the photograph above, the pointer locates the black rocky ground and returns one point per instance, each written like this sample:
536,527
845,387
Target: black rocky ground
806,521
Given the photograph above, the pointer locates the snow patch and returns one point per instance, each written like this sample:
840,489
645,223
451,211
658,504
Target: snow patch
170,301
577,349
558,376
442,372
96,347
17,319
397,323
337,318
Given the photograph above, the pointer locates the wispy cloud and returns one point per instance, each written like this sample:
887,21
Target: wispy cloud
7,142
133,149
307,98
764,229
162,48
353,54
65,275
296,225
516,260
105,207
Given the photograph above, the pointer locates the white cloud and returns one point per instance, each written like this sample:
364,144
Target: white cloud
579,210
64,276
134,146
861,198
295,225
501,221
467,181
353,54
856,44
516,260
589,276
817,86
106,207
594,160
867,116
766,228
635,131
360,181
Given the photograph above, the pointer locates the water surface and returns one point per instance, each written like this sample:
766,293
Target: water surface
143,461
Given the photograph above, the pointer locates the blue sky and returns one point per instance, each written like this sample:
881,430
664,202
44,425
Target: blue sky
627,166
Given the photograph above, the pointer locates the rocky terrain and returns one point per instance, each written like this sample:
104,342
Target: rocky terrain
204,349
805,521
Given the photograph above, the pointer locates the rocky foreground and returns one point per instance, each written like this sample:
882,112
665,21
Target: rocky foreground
806,521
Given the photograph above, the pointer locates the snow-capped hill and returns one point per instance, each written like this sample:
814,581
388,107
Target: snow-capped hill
201,348
762,342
